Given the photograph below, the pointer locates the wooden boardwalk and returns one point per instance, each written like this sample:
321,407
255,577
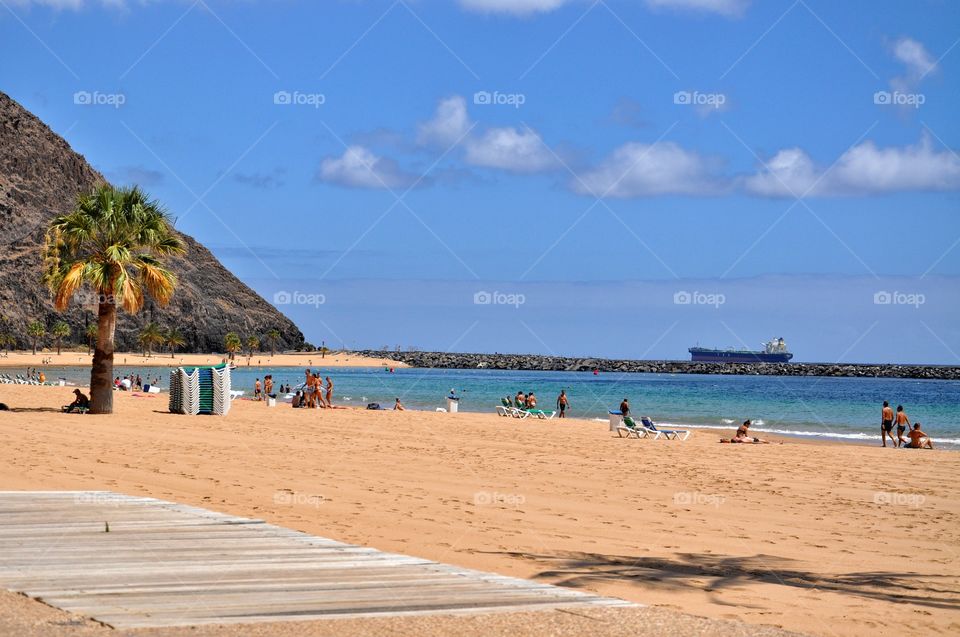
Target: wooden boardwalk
167,564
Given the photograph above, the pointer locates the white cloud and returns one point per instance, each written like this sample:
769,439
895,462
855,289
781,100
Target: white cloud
515,7
638,170
360,168
863,170
917,59
449,124
722,7
510,150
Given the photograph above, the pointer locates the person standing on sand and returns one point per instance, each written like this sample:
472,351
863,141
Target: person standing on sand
307,389
267,385
562,402
902,423
625,407
329,392
256,390
886,424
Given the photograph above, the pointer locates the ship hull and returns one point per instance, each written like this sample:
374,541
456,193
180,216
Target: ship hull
734,356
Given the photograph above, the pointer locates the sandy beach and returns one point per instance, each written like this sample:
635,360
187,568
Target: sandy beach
288,359
825,539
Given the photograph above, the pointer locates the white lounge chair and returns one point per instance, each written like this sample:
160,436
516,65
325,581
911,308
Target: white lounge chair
669,434
628,427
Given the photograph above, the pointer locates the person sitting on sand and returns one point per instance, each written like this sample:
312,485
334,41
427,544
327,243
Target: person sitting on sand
297,401
79,403
743,435
918,439
902,423
398,406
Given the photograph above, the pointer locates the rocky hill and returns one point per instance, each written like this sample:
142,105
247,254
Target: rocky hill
40,177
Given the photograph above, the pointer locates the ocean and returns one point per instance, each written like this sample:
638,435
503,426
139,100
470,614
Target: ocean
842,409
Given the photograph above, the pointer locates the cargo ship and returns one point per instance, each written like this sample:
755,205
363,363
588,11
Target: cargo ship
774,351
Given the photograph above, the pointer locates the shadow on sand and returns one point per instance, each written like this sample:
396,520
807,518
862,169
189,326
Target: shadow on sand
714,572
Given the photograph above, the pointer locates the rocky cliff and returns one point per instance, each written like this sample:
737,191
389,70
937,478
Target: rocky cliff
40,177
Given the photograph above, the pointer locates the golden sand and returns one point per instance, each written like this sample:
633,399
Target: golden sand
829,539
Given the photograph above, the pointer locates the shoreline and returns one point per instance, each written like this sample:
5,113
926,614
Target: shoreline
695,526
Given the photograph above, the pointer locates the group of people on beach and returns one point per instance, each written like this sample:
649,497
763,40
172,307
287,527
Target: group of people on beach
315,393
918,439
529,401
133,382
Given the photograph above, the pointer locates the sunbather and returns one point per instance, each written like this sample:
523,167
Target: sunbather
743,435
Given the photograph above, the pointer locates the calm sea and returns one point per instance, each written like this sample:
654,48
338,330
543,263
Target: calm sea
830,408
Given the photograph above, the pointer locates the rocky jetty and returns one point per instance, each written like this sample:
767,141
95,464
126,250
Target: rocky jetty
40,177
443,360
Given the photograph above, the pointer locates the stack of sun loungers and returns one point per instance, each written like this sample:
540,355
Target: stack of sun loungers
185,391
201,390
221,390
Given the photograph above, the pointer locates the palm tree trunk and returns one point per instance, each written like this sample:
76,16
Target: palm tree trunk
58,347
101,375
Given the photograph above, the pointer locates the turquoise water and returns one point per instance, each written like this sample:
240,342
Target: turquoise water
831,408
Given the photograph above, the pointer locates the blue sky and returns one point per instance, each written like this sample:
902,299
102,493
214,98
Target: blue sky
791,162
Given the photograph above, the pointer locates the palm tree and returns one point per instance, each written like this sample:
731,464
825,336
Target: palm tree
252,343
91,334
174,339
36,330
233,344
59,332
150,336
115,240
273,336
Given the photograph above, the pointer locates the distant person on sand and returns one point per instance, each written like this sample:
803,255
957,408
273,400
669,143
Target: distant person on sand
329,392
886,424
918,439
398,406
562,403
902,423
625,407
743,435
80,402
